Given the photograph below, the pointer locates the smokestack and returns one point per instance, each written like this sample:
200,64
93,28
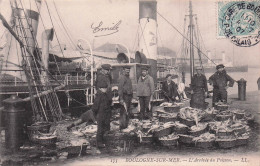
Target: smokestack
148,33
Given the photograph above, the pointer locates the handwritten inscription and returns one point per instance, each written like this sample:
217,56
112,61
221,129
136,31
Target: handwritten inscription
103,30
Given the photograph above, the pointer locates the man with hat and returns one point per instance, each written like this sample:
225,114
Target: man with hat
104,80
199,89
220,81
125,93
169,89
145,90
102,110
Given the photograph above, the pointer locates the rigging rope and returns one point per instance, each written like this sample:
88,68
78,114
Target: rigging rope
63,25
184,36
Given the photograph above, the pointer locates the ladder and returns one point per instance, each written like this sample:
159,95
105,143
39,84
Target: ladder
45,106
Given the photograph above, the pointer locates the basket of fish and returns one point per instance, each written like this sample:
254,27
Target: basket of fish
180,128
144,137
226,141
190,116
224,115
205,140
162,131
44,138
221,106
43,127
186,139
239,128
169,140
242,140
240,114
198,129
168,117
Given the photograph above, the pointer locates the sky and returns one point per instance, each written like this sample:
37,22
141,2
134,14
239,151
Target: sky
79,15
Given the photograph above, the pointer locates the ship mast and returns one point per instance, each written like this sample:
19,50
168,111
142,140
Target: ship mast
191,30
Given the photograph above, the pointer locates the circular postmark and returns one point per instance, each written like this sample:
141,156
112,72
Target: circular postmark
240,22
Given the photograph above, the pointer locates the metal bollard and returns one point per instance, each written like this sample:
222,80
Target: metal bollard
14,122
241,89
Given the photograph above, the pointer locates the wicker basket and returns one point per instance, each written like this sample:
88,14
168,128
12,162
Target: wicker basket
222,107
169,142
167,119
242,141
187,122
33,130
226,143
224,133
75,150
146,139
198,132
205,144
162,132
174,108
180,130
187,139
223,117
239,115
240,130
48,141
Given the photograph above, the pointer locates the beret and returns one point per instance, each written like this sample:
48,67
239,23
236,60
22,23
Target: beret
144,68
220,66
198,68
106,66
168,75
126,67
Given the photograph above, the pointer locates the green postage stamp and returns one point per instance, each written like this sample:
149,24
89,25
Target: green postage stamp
239,21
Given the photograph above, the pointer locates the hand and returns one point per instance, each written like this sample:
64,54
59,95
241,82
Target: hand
121,102
191,92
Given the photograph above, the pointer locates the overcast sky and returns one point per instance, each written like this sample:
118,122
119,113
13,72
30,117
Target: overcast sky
79,15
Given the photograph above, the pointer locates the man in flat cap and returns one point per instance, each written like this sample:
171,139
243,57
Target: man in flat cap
125,93
104,80
145,90
102,110
220,81
199,89
169,89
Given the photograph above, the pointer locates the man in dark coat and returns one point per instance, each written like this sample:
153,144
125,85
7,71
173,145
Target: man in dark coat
169,89
220,81
102,111
145,91
199,89
102,103
125,93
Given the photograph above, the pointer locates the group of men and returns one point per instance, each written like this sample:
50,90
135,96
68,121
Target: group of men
102,104
220,81
101,109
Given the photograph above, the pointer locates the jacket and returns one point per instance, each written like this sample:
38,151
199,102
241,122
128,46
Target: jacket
220,80
199,82
124,86
169,89
101,103
104,78
145,87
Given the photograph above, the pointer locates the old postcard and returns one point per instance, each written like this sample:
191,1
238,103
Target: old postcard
130,82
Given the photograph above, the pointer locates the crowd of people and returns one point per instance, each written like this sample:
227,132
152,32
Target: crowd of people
102,107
